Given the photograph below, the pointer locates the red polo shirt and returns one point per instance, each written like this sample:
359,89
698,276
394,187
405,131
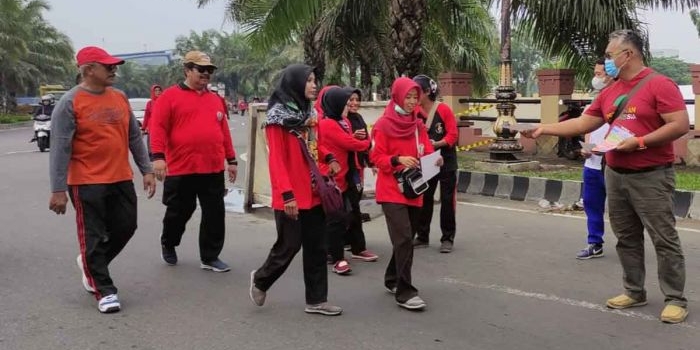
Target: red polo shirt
189,130
642,115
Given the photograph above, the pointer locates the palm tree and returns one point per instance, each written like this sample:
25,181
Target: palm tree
695,17
382,39
577,30
31,51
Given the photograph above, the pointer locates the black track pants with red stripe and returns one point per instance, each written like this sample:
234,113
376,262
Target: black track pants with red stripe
106,220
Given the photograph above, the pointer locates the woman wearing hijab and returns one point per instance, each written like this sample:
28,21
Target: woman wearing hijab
400,139
359,130
156,90
299,216
338,139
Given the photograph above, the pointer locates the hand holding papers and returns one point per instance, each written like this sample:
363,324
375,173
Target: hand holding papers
429,164
616,135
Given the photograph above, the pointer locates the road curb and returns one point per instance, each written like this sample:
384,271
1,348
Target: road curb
686,204
16,125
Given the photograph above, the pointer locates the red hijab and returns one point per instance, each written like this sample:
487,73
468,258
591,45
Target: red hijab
394,124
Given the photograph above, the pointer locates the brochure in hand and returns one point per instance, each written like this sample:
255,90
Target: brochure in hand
616,135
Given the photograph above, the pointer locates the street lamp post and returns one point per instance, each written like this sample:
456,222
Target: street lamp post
504,148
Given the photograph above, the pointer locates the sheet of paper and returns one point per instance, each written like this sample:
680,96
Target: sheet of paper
427,165
588,147
616,135
521,127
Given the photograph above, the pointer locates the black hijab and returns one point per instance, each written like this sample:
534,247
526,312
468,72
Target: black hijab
334,101
291,87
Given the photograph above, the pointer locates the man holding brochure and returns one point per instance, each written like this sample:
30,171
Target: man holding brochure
647,113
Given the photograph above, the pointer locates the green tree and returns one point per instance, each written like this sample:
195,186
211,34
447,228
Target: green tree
381,39
673,68
695,17
576,31
32,52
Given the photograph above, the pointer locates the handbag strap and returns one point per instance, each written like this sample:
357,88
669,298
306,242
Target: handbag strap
431,114
626,98
315,171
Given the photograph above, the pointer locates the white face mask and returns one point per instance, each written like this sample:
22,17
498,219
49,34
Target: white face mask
598,83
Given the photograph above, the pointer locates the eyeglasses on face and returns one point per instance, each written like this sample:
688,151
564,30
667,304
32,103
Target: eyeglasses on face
612,55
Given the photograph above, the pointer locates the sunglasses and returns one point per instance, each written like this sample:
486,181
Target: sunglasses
204,69
108,67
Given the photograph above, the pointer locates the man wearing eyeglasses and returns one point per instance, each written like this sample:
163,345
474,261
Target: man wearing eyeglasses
639,174
191,147
92,133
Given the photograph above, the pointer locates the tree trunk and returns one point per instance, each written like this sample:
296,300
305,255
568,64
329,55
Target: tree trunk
407,18
352,67
366,78
314,55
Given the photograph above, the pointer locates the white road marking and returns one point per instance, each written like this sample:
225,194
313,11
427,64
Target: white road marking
560,300
680,228
18,152
244,157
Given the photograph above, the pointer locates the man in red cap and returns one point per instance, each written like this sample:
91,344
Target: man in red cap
93,130
191,147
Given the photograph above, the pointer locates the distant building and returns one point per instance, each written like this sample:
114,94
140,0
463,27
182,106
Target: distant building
149,58
665,53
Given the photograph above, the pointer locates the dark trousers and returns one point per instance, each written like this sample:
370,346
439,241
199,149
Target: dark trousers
594,203
400,220
307,232
106,220
448,226
180,194
347,229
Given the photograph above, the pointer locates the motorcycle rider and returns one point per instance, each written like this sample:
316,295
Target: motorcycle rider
48,102
46,107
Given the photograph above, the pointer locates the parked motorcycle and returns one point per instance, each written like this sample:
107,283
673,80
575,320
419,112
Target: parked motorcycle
570,147
42,131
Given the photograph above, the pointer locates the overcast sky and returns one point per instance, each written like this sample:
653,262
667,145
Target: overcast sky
127,26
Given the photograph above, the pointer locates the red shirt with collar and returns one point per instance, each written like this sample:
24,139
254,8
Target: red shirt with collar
641,116
190,131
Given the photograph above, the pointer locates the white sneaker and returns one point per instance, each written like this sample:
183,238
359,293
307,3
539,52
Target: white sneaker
415,303
86,283
109,304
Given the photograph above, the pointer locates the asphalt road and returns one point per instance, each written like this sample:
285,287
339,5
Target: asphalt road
511,283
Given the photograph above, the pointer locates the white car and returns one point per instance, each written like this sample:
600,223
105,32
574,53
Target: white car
138,106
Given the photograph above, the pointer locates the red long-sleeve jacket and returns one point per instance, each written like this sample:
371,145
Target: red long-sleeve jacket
339,143
384,149
290,174
189,130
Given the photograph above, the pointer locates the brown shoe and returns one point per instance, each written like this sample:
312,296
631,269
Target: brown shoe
623,301
673,314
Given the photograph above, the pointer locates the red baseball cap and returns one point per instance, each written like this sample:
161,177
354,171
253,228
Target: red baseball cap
91,54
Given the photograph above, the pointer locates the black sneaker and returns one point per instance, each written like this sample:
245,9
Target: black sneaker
215,265
169,255
591,251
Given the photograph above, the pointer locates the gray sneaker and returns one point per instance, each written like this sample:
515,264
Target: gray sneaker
415,303
256,295
324,309
215,265
446,247
417,243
